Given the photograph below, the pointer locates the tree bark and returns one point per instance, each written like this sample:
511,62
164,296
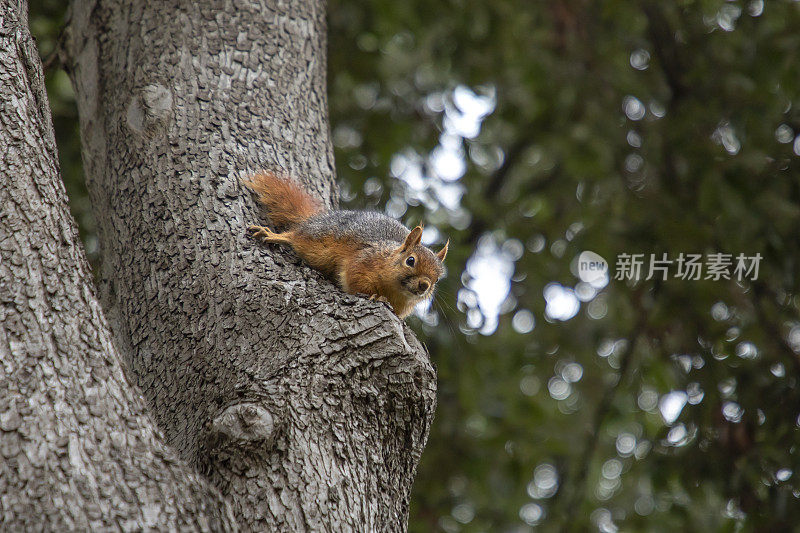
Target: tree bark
78,451
307,407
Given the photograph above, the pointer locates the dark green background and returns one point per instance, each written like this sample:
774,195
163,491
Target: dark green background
553,172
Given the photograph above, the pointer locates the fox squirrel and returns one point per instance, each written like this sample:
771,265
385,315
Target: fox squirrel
365,252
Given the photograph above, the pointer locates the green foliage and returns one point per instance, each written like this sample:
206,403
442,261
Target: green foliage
46,19
616,127
706,169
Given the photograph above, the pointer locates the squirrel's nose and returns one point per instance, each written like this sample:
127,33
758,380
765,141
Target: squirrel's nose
423,286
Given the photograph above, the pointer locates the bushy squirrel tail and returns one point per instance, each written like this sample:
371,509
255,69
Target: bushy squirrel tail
287,202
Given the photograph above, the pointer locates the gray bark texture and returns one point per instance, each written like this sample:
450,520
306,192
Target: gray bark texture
306,407
79,453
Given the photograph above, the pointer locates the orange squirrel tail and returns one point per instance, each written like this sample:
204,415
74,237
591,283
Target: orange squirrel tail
287,202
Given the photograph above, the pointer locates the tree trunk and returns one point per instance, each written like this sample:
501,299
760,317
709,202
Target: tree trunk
78,451
307,407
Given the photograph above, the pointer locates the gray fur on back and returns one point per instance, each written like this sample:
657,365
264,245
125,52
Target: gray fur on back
367,226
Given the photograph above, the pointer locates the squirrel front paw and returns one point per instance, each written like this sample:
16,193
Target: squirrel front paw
267,235
258,232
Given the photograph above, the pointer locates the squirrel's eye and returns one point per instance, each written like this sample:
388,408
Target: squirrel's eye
410,261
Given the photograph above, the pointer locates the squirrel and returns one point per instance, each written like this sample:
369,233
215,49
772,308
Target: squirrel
365,252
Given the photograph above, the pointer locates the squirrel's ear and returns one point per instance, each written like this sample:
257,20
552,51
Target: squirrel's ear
413,238
441,254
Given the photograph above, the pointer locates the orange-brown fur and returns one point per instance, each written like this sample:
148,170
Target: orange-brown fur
287,203
379,272
374,269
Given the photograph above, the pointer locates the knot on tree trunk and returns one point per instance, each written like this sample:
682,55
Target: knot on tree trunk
149,110
243,423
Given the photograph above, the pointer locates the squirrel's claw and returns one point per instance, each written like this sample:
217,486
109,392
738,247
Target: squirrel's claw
258,232
378,298
267,235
